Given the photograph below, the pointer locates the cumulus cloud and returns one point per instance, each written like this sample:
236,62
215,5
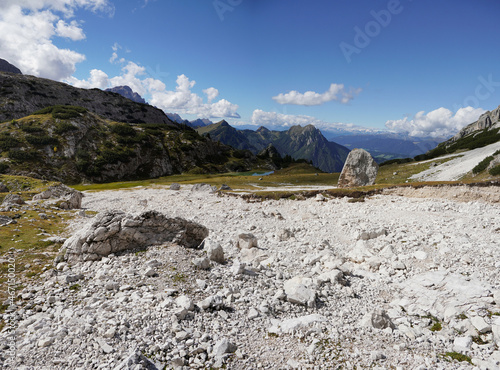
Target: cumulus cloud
438,123
28,28
274,120
336,92
181,100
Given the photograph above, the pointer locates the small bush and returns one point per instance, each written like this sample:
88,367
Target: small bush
62,111
495,171
436,327
123,129
23,155
32,128
3,167
396,161
63,127
482,165
8,142
459,357
41,140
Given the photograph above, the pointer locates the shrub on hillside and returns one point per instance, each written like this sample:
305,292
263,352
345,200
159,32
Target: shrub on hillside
41,140
62,111
495,171
22,155
482,165
123,129
8,142
63,127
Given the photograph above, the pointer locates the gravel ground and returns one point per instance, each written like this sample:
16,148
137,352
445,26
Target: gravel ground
391,282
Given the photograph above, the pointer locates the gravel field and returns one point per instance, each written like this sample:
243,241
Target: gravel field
392,282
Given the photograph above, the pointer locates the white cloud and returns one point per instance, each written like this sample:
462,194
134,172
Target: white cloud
437,123
28,28
273,120
71,31
336,92
211,93
182,100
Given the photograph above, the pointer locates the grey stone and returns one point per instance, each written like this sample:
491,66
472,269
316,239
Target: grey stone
246,241
175,186
378,319
134,361
116,231
202,263
222,347
62,196
3,188
204,187
298,290
13,199
360,169
215,252
225,187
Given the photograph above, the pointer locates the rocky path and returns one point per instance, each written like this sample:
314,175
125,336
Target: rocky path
391,282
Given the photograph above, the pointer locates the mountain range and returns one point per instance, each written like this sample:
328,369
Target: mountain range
298,142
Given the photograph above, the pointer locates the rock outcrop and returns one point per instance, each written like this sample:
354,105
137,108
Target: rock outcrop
116,231
9,68
486,120
128,93
61,196
360,169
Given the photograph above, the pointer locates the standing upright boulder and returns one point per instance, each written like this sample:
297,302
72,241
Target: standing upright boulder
360,169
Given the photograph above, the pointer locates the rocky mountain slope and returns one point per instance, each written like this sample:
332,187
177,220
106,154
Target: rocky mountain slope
487,121
278,284
485,131
9,68
298,142
127,92
71,144
21,95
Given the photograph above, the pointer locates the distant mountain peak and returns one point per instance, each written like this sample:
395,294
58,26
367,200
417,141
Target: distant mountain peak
262,129
223,123
7,67
128,93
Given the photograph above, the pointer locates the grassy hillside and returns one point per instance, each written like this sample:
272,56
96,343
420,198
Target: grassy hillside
72,145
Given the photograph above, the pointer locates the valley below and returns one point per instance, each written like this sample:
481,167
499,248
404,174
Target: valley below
405,279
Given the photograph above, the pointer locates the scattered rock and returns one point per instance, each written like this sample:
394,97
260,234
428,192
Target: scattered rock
3,188
225,187
378,319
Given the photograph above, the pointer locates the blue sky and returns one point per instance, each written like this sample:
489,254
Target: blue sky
421,67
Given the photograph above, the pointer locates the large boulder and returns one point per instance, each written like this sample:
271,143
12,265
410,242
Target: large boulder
63,196
360,169
117,231
12,199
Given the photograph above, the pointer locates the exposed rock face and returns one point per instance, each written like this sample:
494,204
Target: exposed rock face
116,231
64,196
9,68
3,188
127,92
360,169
